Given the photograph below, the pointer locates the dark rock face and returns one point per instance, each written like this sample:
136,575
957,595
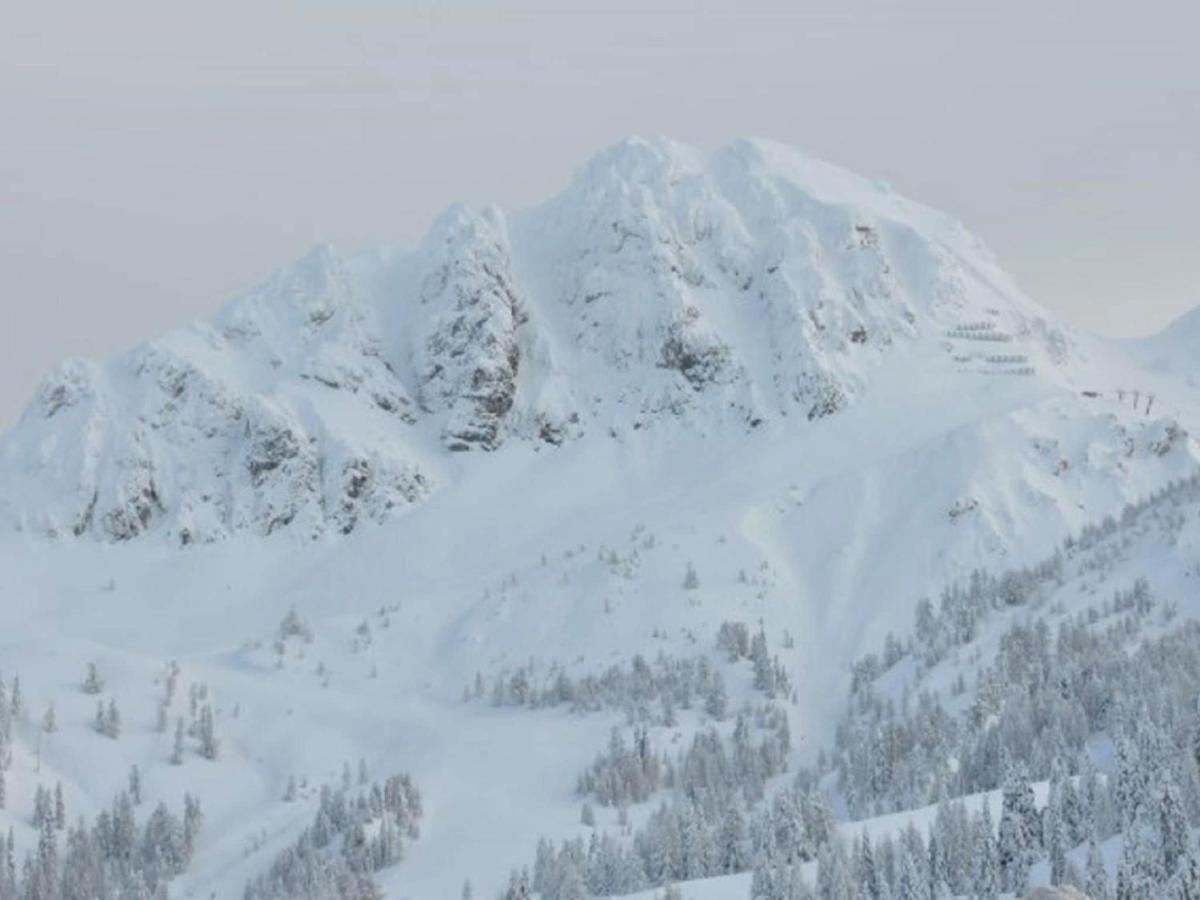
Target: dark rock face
470,356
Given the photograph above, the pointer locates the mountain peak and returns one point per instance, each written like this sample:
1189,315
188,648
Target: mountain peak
644,161
665,290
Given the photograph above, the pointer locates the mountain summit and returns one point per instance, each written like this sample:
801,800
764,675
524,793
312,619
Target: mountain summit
663,291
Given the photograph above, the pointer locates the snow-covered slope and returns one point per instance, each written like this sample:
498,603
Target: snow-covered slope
1174,350
505,449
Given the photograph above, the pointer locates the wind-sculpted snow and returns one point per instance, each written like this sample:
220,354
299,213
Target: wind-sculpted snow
660,291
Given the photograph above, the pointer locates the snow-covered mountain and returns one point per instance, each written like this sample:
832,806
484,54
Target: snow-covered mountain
661,291
689,390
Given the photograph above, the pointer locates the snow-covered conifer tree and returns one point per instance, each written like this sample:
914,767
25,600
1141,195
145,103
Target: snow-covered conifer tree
92,682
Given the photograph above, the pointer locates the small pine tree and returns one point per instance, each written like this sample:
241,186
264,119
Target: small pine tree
60,808
210,747
113,720
49,720
691,581
987,879
177,750
913,885
135,785
92,682
1140,869
716,704
1173,828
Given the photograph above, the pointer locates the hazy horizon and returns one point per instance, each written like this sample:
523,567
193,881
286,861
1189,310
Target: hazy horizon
160,161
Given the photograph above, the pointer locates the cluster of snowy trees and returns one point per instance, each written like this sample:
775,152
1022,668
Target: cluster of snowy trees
624,774
1054,688
648,692
691,837
112,859
1122,672
11,707
1043,699
108,719
113,856
1047,692
965,853
707,826
354,833
891,758
770,675
964,607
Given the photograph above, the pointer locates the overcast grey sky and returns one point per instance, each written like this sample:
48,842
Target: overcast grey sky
155,158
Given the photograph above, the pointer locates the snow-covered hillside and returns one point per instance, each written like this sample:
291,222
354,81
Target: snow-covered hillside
690,390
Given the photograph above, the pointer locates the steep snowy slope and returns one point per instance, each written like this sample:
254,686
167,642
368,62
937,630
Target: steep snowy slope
501,453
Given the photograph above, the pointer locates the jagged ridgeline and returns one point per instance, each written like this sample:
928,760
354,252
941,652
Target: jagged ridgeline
662,290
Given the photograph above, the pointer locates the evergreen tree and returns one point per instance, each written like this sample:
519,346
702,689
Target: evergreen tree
1140,871
1097,874
1173,827
92,682
913,885
210,747
518,887
834,879
764,673
113,720
987,876
716,704
1186,883
691,581
866,873
135,785
177,749
1019,837
1055,833
60,808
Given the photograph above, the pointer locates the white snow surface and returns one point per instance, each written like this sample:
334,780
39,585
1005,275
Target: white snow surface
522,433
